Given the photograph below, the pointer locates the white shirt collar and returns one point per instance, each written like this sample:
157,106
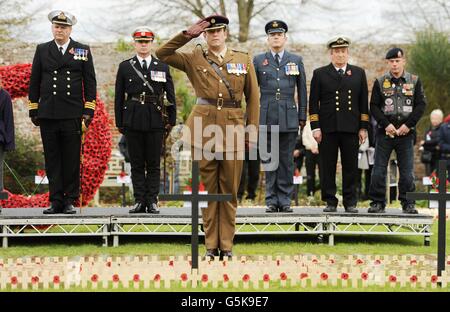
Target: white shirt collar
344,68
64,46
148,59
279,53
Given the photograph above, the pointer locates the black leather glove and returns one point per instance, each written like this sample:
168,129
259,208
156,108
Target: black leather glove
87,120
35,121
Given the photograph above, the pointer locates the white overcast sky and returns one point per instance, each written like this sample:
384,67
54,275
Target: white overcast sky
363,21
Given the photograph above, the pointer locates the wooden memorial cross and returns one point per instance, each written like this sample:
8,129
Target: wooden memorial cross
441,197
195,198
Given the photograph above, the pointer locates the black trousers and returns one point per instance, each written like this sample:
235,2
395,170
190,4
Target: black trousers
144,148
61,139
312,161
348,144
251,170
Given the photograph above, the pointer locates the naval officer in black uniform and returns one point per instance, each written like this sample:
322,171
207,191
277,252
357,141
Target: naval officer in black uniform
62,94
338,108
143,117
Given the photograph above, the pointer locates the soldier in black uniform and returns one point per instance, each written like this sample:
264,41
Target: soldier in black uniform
339,119
142,116
397,103
62,93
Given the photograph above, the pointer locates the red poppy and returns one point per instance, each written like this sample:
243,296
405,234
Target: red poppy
413,262
94,278
122,174
56,279
136,278
283,276
204,277
226,278
108,264
265,62
14,280
201,187
413,279
349,72
34,279
392,278
331,261
224,263
184,277
377,261
434,279
157,278
315,261
41,173
266,277
344,276
303,275
171,263
364,276
115,278
359,261
246,278
324,276
278,262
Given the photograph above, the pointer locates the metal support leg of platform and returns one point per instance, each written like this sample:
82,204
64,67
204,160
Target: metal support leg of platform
331,227
427,238
115,230
320,236
106,234
4,238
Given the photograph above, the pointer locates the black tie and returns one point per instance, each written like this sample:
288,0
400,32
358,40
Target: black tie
341,72
144,65
61,50
277,58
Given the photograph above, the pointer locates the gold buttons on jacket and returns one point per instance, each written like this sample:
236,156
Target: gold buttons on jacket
55,72
54,78
337,109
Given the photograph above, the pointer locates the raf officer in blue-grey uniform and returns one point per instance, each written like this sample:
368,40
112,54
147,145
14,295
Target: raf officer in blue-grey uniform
280,74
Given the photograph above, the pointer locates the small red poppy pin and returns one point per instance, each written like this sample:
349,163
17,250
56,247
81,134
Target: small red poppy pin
265,62
349,72
71,51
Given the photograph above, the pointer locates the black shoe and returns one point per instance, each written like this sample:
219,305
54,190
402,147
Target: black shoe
330,208
211,253
68,209
54,209
225,253
410,209
286,209
138,208
271,209
376,208
351,209
152,208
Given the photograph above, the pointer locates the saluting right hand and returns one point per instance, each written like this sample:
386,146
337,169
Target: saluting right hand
196,30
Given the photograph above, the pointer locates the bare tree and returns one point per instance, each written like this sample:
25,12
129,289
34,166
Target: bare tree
12,16
420,14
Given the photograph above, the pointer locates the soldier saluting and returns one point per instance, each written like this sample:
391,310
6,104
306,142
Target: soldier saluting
221,77
62,94
139,107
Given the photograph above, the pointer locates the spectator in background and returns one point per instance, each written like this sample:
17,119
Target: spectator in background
430,143
444,143
312,159
7,138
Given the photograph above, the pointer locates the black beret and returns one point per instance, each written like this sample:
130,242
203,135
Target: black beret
394,53
276,26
